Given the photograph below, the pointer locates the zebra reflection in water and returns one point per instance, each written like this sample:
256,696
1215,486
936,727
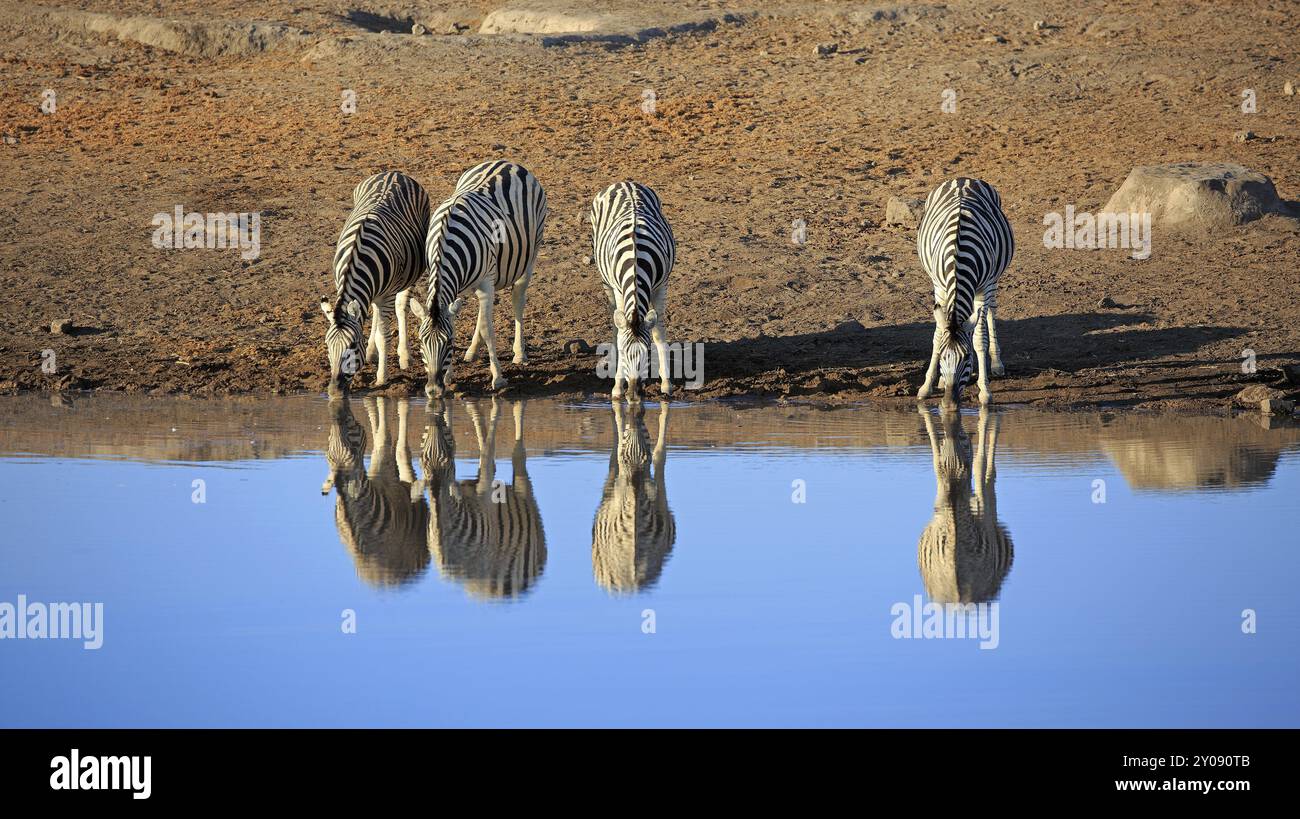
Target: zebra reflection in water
380,513
634,529
964,553
484,533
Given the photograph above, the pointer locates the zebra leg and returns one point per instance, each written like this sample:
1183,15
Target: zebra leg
380,338
372,342
519,298
477,338
982,354
403,348
404,471
659,336
485,300
932,373
995,349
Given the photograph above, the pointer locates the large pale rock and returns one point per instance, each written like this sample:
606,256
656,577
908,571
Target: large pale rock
1217,194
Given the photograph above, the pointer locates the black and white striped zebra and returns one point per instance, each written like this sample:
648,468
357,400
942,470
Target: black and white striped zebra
483,533
485,238
632,244
965,244
379,257
634,530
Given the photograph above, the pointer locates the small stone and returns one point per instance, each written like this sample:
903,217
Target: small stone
61,327
1039,25
860,60
995,38
1291,372
9,139
578,346
1289,89
905,212
1276,406
1256,394
1243,136
418,28
826,49
586,260
1107,302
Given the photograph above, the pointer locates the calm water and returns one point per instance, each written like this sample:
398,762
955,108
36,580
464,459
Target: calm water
282,562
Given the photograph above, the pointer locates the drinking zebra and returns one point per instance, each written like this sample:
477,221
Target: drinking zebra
484,238
965,552
634,529
380,513
483,532
965,244
633,247
379,256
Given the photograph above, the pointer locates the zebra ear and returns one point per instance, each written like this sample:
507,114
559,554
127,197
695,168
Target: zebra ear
455,306
354,309
325,307
620,320
651,317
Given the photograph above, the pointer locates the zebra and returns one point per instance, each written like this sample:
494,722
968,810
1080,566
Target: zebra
378,258
632,244
485,238
483,532
634,529
965,243
964,553
380,513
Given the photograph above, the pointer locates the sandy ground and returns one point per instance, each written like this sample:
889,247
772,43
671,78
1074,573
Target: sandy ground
752,130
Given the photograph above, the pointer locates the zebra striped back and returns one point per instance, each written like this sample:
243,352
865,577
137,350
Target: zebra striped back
965,243
633,247
522,201
381,248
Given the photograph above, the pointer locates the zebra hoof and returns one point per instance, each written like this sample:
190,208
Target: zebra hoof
923,393
469,355
998,369
666,389
985,398
500,383
520,358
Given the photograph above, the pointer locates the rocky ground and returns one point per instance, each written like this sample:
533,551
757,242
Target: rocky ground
764,114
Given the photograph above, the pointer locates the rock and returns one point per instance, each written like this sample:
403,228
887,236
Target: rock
1216,194
578,346
1106,302
1256,394
586,260
1276,406
827,49
995,38
61,327
1291,372
1243,136
905,212
1288,89
418,29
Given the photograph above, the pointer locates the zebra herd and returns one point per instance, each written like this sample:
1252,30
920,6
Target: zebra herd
486,236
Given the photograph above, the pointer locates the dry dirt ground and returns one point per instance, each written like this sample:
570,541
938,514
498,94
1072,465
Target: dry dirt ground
189,103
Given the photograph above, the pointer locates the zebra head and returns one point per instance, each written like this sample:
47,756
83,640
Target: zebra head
435,341
438,449
342,342
633,334
956,362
